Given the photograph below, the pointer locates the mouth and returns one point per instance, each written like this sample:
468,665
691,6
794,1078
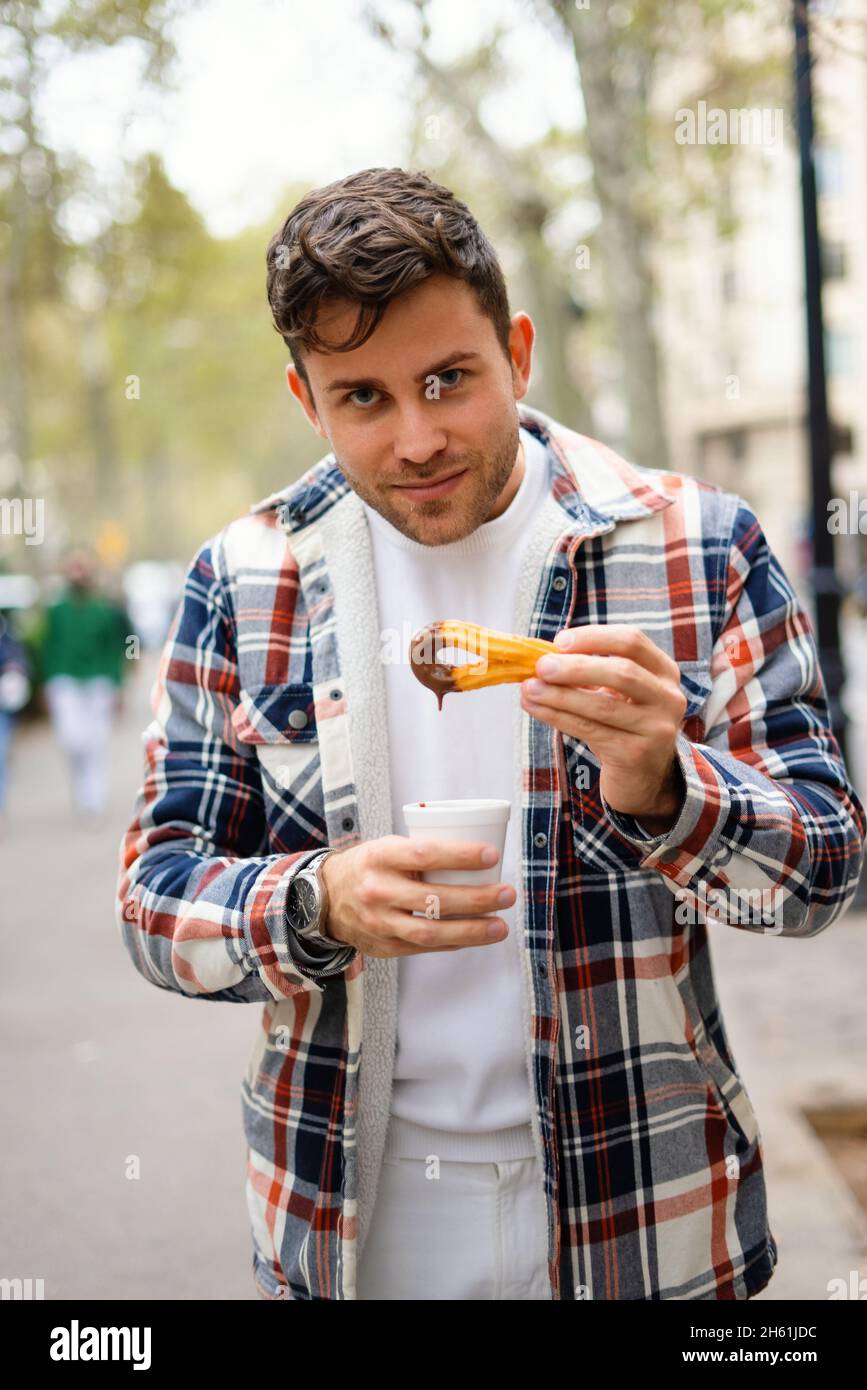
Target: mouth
424,492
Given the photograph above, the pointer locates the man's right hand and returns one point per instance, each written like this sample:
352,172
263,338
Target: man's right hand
375,888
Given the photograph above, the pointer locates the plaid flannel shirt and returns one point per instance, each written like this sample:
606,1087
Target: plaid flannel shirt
268,744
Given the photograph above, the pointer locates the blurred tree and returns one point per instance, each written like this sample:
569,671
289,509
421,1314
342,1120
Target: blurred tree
148,346
625,54
615,73
194,394
36,187
526,196
640,179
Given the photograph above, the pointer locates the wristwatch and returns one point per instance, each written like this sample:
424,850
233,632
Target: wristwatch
307,905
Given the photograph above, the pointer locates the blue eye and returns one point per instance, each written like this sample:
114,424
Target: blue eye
451,371
360,391
367,396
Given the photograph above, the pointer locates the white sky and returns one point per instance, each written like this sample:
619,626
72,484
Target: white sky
274,92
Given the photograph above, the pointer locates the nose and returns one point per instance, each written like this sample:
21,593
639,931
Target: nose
418,437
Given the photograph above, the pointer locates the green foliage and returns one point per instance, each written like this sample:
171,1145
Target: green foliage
151,391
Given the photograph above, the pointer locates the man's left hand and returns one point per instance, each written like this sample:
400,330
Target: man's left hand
621,695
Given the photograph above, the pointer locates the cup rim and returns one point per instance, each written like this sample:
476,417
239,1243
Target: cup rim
481,817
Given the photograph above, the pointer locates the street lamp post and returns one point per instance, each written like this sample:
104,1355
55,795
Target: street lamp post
826,587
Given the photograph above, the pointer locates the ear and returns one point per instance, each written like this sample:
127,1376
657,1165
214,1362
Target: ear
304,397
521,338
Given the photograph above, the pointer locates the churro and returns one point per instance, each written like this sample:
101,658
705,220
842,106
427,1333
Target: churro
502,657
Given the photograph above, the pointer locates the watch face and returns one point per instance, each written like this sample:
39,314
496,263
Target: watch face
306,899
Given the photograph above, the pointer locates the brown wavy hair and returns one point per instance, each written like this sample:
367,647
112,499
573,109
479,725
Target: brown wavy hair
367,238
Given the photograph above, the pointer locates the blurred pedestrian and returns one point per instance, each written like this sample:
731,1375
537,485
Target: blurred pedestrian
14,694
83,666
859,592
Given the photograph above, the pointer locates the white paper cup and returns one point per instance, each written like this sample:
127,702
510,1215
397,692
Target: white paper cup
474,821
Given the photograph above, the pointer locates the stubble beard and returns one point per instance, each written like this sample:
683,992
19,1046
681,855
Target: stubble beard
417,522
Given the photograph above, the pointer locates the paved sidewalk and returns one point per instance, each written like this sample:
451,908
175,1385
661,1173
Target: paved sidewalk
795,1018
98,1068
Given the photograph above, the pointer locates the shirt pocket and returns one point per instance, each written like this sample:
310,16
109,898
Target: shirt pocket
719,1070
278,722
733,1099
276,713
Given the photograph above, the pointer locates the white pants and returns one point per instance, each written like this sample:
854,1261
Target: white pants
81,712
478,1231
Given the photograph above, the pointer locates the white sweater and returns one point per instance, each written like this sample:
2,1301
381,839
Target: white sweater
461,1085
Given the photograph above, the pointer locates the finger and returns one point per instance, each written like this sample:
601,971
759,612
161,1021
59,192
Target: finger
401,853
401,950
439,900
618,673
420,934
618,639
613,673
574,726
599,707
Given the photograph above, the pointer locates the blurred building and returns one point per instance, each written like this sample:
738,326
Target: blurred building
731,313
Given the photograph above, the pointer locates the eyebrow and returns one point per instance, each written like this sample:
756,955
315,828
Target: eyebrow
353,384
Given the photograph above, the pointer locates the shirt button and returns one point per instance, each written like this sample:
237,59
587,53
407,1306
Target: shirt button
540,840
348,822
336,694
298,719
559,583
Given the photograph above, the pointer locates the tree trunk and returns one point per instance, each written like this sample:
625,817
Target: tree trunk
15,396
616,143
549,306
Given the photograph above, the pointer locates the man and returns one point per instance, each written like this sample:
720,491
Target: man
540,1102
83,668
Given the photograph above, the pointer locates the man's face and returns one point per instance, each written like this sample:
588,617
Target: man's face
431,394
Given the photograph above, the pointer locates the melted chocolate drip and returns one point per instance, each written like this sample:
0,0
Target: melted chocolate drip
428,668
